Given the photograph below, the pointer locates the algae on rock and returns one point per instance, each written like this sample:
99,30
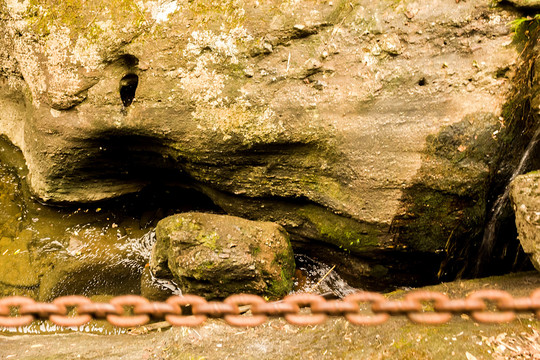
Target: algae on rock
219,255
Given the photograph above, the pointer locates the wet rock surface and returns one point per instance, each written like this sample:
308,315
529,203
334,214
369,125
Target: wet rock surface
218,255
368,126
48,251
525,195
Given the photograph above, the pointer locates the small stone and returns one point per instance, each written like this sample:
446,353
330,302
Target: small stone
268,47
249,72
319,85
391,45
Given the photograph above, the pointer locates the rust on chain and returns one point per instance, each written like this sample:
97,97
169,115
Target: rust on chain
277,308
74,301
361,308
182,320
428,317
499,297
359,319
239,320
7,304
128,321
99,310
305,319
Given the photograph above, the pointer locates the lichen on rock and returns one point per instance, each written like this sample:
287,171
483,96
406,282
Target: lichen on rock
219,255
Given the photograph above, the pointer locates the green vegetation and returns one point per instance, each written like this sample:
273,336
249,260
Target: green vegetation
523,28
82,17
280,288
343,232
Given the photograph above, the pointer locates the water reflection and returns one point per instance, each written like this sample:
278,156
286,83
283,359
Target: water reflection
91,249
101,327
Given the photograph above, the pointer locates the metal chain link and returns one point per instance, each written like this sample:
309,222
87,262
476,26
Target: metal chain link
361,308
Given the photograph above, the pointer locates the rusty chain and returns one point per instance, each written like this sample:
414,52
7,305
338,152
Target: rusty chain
361,308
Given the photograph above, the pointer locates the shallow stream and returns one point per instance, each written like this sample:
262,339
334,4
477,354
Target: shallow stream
102,249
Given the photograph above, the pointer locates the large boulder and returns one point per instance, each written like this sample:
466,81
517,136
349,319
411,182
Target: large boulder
323,109
219,255
525,195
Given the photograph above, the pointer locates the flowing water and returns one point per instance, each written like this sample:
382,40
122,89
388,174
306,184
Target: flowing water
317,277
97,250
106,245
491,229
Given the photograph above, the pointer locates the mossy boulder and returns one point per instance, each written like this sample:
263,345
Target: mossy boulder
525,196
218,255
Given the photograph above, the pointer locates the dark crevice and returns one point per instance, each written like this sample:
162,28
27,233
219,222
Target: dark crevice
128,86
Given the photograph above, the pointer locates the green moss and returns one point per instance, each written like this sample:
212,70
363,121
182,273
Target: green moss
209,240
280,288
81,17
322,184
523,29
433,220
346,233
254,250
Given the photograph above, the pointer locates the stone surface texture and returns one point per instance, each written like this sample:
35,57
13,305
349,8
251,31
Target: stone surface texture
330,118
220,255
535,4
525,195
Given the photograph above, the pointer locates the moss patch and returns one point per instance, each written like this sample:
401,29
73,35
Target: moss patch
345,233
82,17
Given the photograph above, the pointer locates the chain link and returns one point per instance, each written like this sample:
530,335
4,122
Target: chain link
361,308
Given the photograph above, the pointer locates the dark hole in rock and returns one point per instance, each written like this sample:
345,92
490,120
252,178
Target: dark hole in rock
422,81
502,72
128,85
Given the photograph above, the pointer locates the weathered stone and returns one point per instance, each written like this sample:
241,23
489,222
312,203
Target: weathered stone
448,198
218,255
525,195
319,104
534,4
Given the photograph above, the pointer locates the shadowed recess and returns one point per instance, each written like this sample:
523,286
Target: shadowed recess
128,86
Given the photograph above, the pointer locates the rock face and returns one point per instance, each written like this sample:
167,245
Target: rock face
525,195
319,116
534,4
219,255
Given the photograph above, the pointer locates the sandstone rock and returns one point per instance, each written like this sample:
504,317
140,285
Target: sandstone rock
525,195
535,4
219,255
311,105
